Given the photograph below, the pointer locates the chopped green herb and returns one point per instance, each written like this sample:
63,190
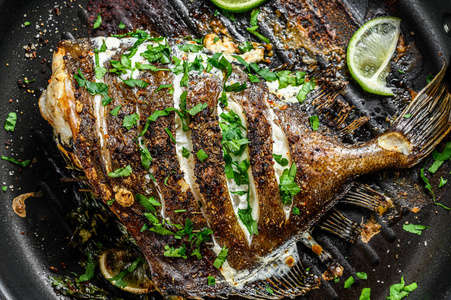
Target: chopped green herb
399,290
195,48
361,275
135,83
246,47
161,230
306,88
170,134
111,201
253,21
288,188
201,155
236,87
430,78
222,256
401,71
178,252
115,111
223,99
211,280
118,279
429,188
216,39
187,230
179,210
26,23
414,228
4,188
442,182
407,116
226,14
185,152
365,295
245,216
349,282
253,78
97,22
150,67
163,86
184,80
160,53
336,279
121,25
29,80
152,219
94,88
121,172
314,122
239,193
17,162
197,109
280,160
99,72
440,157
130,120
145,202
146,157
296,211
167,178
10,122
269,289
89,270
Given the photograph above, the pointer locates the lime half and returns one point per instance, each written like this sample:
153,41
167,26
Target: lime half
238,6
369,53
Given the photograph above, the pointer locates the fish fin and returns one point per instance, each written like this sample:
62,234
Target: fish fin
326,102
426,120
292,284
364,196
353,126
340,225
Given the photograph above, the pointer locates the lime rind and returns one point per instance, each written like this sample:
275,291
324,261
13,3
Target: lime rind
239,6
370,51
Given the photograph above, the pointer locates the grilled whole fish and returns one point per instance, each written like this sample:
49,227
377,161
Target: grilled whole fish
162,131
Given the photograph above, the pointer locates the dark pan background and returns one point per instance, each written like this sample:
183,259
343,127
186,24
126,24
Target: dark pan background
29,246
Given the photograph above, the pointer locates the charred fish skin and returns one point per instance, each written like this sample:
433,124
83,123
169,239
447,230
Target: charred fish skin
102,143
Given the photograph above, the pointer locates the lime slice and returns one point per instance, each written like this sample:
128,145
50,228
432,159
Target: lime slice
369,53
238,6
126,272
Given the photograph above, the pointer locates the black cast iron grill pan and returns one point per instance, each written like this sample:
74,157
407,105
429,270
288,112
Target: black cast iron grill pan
37,246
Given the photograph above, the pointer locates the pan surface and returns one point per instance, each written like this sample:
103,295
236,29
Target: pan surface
36,247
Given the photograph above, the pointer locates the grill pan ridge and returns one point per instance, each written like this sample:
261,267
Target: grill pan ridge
30,246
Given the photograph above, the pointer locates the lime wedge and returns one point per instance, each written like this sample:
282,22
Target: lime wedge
121,269
238,6
369,53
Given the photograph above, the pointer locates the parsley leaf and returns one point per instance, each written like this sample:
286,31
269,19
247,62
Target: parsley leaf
17,162
115,111
97,22
10,123
269,289
201,155
197,109
161,230
296,211
288,188
145,202
175,252
170,134
236,87
187,230
160,53
118,279
163,86
121,25
121,172
314,122
361,275
429,188
211,280
130,120
414,228
131,82
146,157
150,67
349,282
89,270
440,157
399,290
306,88
245,216
185,152
365,295
442,182
184,80
195,48
281,161
222,256
246,47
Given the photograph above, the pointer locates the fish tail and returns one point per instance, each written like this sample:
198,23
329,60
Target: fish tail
422,124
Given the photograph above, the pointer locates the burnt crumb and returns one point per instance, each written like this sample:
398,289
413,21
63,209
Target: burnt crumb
56,10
